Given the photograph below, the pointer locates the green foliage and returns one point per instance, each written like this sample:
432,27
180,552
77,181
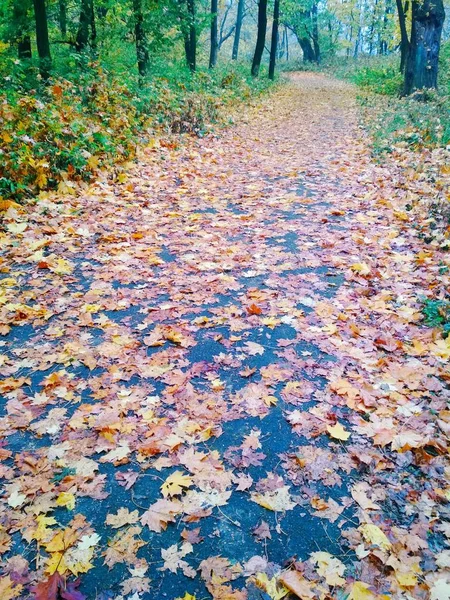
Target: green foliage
380,75
437,314
414,122
66,131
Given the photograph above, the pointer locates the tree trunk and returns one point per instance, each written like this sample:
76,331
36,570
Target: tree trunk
404,39
62,17
307,49
190,39
21,33
214,37
42,41
141,41
423,56
315,33
274,40
261,37
93,37
237,32
82,38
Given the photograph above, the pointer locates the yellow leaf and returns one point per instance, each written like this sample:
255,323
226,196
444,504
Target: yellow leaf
66,499
375,536
62,267
175,484
270,586
17,227
7,137
361,591
362,268
329,567
42,530
9,589
338,432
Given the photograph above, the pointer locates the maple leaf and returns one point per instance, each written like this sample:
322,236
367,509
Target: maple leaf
297,584
278,500
275,590
374,535
359,493
329,567
173,559
338,432
160,514
123,517
9,589
175,484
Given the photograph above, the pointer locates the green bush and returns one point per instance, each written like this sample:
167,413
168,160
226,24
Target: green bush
65,131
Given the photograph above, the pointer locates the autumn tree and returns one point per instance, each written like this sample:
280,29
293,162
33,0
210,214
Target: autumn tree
274,40
261,37
42,40
238,28
140,38
214,40
21,30
423,56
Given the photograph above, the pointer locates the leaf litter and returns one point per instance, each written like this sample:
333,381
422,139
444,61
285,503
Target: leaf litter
215,376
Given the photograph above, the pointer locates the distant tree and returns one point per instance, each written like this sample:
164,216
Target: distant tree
140,39
261,37
214,42
62,17
423,57
237,31
402,11
21,32
42,41
189,34
274,40
87,31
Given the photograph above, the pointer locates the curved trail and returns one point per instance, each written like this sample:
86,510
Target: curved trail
216,368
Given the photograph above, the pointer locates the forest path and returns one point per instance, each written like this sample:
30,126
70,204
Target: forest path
216,365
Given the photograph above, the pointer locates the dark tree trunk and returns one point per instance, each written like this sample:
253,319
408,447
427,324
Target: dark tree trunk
214,35
261,37
21,31
62,17
307,49
287,44
402,11
93,37
140,37
24,48
315,33
237,32
42,41
423,56
190,37
274,40
82,38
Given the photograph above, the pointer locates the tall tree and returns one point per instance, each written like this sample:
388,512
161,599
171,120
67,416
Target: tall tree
274,40
190,34
315,31
402,10
42,41
87,32
21,33
62,17
237,31
140,38
423,57
261,37
214,35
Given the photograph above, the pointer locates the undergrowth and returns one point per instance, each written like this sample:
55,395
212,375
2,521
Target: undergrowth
85,119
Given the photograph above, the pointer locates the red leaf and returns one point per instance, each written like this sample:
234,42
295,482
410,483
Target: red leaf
254,309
